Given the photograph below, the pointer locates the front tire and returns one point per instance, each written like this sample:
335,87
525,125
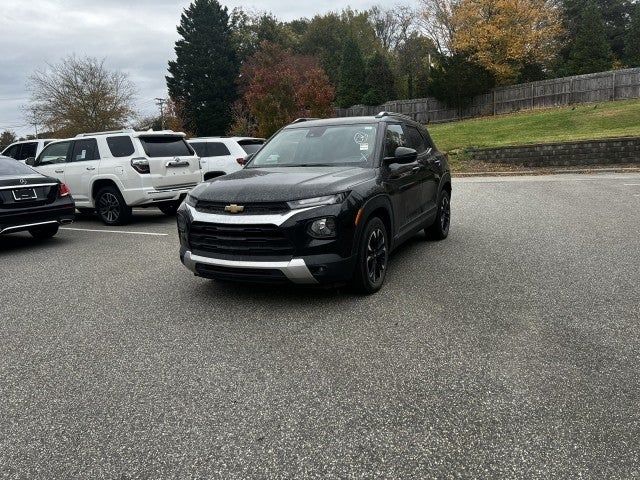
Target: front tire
44,232
373,257
111,207
439,230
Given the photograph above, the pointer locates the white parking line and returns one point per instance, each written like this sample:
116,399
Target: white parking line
115,231
632,184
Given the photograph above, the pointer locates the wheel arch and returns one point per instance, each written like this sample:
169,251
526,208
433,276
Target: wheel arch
378,206
101,183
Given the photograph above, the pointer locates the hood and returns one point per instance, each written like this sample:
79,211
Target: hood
282,184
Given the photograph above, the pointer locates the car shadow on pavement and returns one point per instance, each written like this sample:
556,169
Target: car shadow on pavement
22,242
139,217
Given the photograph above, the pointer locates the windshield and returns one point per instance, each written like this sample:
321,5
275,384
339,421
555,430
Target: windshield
10,167
319,146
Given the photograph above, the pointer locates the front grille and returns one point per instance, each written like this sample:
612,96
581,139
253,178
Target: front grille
241,274
238,240
259,208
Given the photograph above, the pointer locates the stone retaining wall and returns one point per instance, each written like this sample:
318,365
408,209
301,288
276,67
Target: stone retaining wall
588,152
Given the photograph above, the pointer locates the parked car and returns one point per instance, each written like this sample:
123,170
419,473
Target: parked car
26,148
323,201
30,201
112,172
223,155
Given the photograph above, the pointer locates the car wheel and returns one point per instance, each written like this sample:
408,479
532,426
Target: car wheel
169,209
111,207
373,256
439,230
44,232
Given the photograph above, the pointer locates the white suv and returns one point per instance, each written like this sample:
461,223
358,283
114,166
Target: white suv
223,155
112,172
26,148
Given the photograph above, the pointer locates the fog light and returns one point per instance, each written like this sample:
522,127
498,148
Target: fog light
323,228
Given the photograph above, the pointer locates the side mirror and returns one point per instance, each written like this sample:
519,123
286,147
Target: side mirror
402,155
31,161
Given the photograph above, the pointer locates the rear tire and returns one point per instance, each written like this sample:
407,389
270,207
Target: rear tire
373,257
44,232
111,207
439,230
169,209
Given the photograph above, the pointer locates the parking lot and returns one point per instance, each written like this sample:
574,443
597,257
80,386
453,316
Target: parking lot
509,350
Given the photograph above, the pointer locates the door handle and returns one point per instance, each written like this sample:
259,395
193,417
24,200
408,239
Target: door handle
91,168
59,171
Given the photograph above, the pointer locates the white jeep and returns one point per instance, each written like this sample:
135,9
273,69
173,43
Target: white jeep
224,155
112,172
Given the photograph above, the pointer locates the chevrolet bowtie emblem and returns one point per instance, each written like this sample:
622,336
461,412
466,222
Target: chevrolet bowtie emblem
233,208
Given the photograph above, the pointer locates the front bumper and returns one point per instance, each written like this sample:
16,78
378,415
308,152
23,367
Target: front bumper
294,270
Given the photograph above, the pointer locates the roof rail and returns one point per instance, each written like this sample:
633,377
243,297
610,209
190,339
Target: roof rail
108,132
393,114
300,120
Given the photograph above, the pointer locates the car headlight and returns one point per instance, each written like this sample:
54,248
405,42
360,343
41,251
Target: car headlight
323,228
190,200
317,201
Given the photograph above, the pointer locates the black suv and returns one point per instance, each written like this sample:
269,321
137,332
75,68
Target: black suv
323,201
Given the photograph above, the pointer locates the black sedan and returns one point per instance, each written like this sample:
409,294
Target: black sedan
30,201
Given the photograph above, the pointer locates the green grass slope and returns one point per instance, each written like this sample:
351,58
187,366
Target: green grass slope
583,122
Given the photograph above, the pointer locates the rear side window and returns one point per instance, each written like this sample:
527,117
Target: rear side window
12,168
217,149
86,149
120,146
251,146
28,150
165,146
200,148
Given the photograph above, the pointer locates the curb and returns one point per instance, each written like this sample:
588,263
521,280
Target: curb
546,172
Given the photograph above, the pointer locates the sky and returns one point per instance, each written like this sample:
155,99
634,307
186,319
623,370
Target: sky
135,36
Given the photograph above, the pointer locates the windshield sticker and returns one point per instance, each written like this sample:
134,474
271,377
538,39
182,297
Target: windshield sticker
360,138
364,146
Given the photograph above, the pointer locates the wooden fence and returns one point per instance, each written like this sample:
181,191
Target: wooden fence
594,87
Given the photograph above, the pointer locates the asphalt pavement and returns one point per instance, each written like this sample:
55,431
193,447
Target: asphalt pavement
509,350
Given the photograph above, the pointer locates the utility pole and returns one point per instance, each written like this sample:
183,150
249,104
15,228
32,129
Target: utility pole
160,102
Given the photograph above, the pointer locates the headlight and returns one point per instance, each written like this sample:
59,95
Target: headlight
317,201
190,200
323,228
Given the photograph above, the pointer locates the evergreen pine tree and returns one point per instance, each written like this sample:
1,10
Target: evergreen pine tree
380,81
352,83
632,40
203,76
590,51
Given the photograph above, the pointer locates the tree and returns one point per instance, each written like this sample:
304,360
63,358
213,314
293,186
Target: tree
590,51
250,30
7,138
414,64
615,15
456,80
352,84
504,35
80,95
278,87
393,25
203,76
437,23
380,81
632,39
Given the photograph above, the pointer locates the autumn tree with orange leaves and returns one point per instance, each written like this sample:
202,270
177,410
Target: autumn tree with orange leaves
277,87
504,36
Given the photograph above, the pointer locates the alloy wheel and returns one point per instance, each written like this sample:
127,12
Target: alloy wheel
109,207
445,213
376,255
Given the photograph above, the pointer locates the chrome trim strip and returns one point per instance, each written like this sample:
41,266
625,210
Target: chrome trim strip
296,269
26,185
28,225
239,219
181,188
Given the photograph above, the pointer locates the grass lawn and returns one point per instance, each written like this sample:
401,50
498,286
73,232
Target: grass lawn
582,122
